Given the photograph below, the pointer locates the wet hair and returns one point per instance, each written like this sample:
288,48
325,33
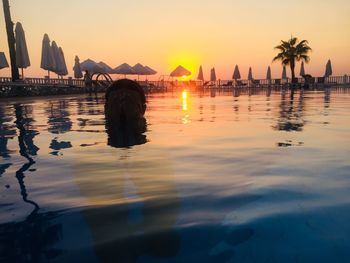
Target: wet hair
126,84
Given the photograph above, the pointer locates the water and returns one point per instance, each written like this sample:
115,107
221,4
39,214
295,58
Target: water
258,177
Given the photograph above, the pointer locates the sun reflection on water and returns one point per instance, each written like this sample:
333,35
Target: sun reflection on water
185,107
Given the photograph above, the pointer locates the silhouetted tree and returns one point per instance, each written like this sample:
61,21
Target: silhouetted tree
292,51
11,40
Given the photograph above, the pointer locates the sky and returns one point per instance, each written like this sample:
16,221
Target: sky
164,34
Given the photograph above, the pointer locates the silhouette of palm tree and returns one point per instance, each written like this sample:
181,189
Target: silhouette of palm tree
292,51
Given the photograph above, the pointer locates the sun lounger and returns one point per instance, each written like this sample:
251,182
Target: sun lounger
239,83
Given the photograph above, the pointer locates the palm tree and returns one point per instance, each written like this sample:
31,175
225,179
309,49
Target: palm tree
11,40
292,51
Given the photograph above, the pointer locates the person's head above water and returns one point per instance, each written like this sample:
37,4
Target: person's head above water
125,107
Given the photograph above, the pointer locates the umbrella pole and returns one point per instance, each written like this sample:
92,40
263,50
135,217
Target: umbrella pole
22,74
48,74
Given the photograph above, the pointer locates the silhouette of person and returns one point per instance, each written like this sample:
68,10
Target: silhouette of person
88,81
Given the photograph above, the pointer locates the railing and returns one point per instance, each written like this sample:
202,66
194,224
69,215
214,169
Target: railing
45,81
168,85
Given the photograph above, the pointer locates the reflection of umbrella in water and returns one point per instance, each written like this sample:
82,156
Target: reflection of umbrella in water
58,119
180,71
22,57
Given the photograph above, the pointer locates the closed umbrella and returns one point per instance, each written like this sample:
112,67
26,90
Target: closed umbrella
57,56
212,74
268,74
236,74
250,74
63,70
302,69
91,66
124,69
329,70
22,57
284,73
3,61
200,74
180,71
77,69
47,56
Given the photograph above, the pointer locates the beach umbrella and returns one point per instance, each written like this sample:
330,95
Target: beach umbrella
236,74
329,70
91,66
284,73
47,56
212,74
57,57
63,69
22,57
180,71
124,69
150,71
302,69
77,69
250,74
3,61
140,70
268,74
106,68
200,74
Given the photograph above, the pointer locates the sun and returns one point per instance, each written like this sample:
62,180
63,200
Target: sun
189,60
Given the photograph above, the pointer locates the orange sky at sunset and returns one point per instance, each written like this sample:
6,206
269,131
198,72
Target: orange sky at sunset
163,34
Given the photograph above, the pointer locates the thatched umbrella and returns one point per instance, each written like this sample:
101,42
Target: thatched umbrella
180,71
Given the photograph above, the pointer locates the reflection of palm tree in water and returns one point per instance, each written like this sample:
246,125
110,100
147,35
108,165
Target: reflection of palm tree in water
26,148
31,240
134,206
291,117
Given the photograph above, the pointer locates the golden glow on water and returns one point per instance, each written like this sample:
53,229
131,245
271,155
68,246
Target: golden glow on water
185,107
